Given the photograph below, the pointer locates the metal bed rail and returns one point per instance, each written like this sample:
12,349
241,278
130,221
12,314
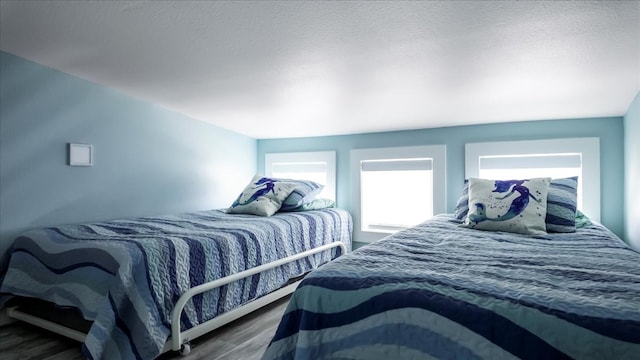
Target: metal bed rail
180,339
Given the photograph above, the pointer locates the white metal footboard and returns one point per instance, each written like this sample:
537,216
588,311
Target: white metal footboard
180,340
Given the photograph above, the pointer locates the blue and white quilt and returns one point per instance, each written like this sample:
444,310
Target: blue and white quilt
126,275
442,291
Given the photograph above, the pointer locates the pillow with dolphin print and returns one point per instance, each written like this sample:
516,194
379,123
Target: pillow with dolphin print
517,206
263,196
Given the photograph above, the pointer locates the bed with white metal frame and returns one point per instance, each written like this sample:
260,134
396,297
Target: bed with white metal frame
181,340
333,239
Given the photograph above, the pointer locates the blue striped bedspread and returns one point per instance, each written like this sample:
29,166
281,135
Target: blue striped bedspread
126,275
441,291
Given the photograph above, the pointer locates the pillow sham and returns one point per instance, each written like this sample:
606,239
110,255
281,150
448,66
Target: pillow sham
316,204
582,220
517,206
562,203
263,196
462,206
304,192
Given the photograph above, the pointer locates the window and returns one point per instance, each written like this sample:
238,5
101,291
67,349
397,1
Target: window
416,177
396,188
556,166
555,158
315,166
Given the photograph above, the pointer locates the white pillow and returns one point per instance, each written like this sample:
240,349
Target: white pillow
518,206
263,196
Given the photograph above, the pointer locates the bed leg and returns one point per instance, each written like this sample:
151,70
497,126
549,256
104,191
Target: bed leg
185,348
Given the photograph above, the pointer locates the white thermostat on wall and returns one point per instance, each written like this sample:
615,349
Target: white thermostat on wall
80,154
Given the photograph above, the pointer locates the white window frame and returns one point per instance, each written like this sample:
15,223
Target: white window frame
326,157
436,152
589,148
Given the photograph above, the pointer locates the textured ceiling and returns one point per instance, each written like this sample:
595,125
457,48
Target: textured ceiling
282,69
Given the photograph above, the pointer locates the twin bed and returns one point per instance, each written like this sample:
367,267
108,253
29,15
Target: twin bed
151,284
442,291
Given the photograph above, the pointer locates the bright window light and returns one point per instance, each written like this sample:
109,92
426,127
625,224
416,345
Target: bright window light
395,194
396,188
319,167
529,166
313,171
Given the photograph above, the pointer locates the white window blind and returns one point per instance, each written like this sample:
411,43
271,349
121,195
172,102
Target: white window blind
396,165
541,161
317,166
299,167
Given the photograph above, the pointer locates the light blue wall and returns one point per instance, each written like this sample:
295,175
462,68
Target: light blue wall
609,130
632,173
148,160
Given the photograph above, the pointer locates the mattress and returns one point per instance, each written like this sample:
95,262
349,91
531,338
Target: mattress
126,275
442,291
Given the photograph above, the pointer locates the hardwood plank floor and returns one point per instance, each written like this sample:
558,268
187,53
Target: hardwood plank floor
244,339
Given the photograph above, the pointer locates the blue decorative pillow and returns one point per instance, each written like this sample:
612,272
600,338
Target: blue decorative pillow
562,204
517,206
462,206
582,220
316,204
263,196
304,192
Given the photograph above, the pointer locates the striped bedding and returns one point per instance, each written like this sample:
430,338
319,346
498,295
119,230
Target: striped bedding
441,291
126,275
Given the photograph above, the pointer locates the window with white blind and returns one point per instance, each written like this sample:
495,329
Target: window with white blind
396,188
555,158
556,166
317,166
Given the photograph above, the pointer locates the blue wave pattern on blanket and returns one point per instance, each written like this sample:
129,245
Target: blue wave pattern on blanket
126,275
442,291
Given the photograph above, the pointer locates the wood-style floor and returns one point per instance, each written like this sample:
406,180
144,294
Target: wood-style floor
244,339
